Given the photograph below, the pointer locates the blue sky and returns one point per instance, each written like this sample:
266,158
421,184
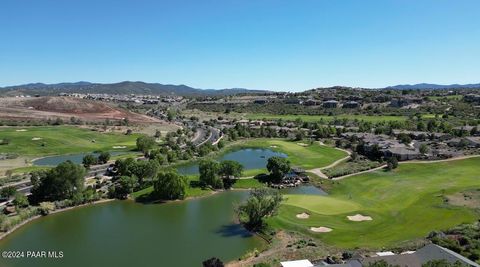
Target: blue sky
265,44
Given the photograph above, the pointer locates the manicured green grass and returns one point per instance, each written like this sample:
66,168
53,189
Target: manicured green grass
29,169
308,157
316,118
57,140
405,204
247,183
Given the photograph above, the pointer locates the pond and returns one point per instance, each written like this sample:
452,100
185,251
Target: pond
250,158
75,158
125,233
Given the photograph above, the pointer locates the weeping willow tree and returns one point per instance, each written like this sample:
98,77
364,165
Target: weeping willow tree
261,203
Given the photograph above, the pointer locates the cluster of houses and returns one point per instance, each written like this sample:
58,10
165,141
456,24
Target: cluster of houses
129,98
419,258
440,145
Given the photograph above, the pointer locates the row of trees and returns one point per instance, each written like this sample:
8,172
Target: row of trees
90,159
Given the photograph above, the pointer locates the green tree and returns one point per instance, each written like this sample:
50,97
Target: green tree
89,160
261,203
170,185
59,183
209,170
278,167
125,186
392,163
145,143
230,168
145,170
104,157
423,148
8,192
20,200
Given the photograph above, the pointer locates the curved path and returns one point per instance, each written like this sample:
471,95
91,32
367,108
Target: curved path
318,171
403,162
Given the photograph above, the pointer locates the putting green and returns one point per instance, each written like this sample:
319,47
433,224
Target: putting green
321,204
405,204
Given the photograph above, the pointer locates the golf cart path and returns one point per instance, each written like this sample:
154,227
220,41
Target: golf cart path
404,162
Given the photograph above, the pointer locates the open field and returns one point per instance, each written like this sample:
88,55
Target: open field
57,140
405,204
42,108
316,118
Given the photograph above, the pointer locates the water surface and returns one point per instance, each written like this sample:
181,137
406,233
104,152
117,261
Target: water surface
75,158
125,233
250,158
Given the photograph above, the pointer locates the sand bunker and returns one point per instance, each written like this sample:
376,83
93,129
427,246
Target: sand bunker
119,147
272,146
359,218
302,144
21,130
320,229
36,138
303,215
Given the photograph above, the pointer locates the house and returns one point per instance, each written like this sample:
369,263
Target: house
312,102
330,104
402,153
351,104
417,258
260,101
473,141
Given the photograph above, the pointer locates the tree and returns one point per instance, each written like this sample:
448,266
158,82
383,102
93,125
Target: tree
104,157
144,170
261,203
423,148
278,167
170,185
59,183
124,186
145,143
230,168
209,170
89,160
392,163
8,192
20,200
213,262
158,134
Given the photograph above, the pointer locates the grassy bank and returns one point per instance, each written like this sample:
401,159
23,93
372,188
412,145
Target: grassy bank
57,140
405,204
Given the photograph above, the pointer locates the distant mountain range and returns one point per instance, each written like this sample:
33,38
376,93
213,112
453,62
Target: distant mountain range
433,86
127,87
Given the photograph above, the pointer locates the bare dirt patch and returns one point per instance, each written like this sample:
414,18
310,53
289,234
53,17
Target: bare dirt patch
303,215
469,199
42,108
359,218
321,229
302,144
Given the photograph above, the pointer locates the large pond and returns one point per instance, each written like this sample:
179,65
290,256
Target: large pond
125,233
75,158
250,158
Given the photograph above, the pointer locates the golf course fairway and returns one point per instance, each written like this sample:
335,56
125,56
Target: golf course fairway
404,205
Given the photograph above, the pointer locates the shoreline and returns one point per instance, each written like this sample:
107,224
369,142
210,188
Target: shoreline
16,227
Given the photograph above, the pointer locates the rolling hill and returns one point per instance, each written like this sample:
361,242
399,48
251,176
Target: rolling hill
126,87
